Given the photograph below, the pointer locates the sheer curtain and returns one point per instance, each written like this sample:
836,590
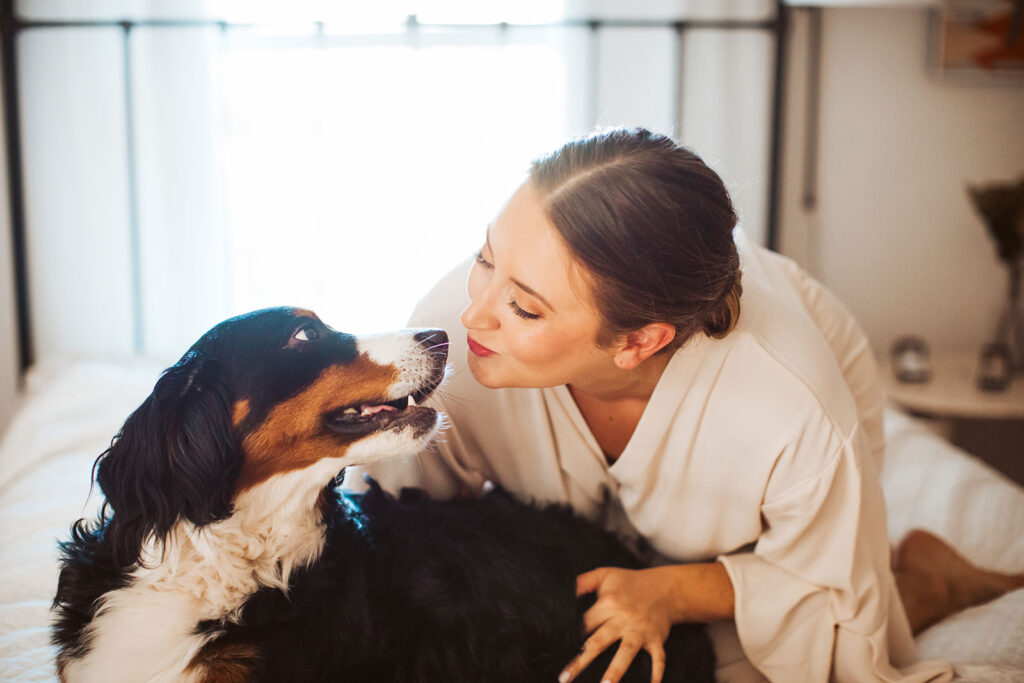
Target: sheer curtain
178,173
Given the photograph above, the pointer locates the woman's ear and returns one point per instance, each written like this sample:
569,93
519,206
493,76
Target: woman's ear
639,345
175,458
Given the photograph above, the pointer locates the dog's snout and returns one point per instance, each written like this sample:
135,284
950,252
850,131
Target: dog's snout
434,344
432,340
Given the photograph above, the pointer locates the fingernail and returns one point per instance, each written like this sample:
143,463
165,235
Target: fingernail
563,677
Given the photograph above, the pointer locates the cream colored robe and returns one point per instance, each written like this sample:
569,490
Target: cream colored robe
761,449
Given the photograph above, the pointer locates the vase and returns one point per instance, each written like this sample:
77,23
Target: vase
1010,331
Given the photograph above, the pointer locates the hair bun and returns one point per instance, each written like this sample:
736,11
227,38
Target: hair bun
726,312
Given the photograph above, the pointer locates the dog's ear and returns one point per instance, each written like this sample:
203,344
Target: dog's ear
176,457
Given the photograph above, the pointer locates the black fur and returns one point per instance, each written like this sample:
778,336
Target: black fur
413,590
173,458
406,589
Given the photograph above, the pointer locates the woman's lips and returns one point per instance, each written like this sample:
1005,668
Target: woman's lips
478,349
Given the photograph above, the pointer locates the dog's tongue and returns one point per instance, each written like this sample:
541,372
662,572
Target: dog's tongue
367,409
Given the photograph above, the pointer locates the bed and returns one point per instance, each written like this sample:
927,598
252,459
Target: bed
71,410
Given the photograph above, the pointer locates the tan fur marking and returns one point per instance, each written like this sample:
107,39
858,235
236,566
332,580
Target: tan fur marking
305,313
239,412
225,663
293,435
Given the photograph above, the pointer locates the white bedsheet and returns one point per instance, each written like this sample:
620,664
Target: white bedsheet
930,484
70,413
72,410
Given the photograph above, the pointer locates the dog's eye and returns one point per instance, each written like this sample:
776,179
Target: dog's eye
307,333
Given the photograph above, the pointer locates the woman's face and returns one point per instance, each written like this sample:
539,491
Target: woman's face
530,320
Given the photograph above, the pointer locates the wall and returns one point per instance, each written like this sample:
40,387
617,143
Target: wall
9,374
893,234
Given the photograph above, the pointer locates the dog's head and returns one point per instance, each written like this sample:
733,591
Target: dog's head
265,394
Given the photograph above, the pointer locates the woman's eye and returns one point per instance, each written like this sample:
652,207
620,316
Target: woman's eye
307,333
520,312
484,263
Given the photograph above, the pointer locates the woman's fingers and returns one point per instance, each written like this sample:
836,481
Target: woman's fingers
590,581
625,655
600,612
657,652
621,661
595,645
629,609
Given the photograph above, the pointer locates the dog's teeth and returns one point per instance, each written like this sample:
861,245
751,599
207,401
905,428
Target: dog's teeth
350,411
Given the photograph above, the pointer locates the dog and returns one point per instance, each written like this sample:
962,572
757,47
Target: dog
226,551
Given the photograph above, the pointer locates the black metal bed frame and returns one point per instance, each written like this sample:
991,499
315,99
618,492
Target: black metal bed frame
11,26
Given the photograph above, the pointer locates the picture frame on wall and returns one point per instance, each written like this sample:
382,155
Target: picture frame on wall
979,40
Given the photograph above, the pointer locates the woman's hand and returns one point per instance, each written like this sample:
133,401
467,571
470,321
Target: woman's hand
638,607
633,606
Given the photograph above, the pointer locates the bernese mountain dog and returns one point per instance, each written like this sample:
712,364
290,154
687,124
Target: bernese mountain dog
226,551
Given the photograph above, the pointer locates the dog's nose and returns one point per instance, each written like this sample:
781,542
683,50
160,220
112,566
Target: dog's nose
432,339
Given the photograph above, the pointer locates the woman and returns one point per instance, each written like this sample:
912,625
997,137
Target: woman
630,357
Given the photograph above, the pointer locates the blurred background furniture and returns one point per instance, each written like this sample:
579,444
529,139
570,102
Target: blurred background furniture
988,424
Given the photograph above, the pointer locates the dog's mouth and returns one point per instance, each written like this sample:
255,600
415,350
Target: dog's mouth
374,416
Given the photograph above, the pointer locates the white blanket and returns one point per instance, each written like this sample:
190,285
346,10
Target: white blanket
71,411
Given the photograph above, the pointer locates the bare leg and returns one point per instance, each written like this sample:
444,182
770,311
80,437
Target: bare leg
935,581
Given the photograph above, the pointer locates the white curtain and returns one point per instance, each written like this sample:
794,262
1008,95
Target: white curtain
341,166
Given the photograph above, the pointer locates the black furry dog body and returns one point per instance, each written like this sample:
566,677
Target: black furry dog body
225,551
463,590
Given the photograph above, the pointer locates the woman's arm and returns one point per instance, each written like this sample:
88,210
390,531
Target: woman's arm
639,607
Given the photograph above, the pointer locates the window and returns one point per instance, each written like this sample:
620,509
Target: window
179,173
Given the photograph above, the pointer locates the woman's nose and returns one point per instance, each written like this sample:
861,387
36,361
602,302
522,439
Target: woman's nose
479,314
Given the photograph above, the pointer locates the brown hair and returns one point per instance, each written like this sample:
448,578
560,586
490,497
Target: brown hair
652,225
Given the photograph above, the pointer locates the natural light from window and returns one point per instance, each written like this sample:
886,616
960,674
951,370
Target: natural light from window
356,176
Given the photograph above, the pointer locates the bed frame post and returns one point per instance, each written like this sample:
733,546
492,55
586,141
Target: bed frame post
775,136
9,28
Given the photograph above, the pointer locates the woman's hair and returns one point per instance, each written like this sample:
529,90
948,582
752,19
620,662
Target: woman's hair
652,225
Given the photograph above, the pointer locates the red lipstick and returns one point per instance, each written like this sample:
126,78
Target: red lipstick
478,349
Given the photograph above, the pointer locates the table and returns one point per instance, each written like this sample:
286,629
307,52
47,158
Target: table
987,424
953,391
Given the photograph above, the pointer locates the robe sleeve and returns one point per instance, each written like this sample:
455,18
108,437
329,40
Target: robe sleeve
815,599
